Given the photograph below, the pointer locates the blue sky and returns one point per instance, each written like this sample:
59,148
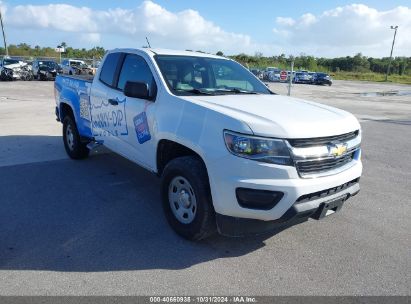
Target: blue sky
322,28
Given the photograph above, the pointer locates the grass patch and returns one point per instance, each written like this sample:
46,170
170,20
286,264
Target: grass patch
405,79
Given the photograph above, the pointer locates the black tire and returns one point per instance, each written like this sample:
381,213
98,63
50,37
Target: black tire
193,170
73,145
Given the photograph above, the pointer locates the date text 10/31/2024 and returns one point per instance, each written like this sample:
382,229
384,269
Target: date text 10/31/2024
204,299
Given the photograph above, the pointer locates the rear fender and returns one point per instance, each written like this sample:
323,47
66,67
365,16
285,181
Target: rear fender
77,98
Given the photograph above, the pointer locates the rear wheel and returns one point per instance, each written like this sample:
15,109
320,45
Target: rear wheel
187,199
72,141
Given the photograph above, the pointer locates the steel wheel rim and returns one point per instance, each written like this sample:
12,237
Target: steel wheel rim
182,199
70,137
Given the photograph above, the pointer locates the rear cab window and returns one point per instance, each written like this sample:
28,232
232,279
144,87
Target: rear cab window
109,69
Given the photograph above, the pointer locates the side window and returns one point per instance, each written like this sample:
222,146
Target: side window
135,68
108,70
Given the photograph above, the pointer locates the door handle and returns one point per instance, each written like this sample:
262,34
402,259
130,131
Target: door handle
113,102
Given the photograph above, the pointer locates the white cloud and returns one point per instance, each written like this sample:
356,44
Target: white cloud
337,32
184,29
307,19
91,37
61,17
285,21
346,31
3,7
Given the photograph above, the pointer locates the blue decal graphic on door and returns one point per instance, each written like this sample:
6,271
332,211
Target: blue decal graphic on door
141,126
108,119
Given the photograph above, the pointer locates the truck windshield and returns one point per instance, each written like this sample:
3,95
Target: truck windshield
190,75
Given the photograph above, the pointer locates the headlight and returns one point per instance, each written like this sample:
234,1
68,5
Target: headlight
267,150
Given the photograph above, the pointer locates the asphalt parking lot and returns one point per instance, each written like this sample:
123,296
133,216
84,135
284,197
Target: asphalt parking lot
95,227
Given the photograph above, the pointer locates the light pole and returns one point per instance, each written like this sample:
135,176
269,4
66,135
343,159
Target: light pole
4,35
392,47
59,50
290,80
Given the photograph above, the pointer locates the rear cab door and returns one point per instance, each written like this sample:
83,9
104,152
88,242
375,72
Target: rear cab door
107,117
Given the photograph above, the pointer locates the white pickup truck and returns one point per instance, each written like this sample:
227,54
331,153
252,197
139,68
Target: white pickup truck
233,156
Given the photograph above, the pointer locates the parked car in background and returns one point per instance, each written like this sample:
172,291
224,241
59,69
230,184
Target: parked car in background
45,69
268,71
258,73
322,78
94,66
254,71
302,77
75,67
14,69
274,75
6,72
312,74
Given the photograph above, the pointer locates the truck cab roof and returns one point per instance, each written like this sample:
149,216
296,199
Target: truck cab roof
155,51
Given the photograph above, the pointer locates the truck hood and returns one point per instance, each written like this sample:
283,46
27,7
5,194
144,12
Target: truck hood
281,116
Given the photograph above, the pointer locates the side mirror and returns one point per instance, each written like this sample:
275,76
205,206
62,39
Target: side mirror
137,90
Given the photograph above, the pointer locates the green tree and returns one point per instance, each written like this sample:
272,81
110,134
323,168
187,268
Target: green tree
357,63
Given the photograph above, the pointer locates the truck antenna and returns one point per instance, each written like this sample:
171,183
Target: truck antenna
148,42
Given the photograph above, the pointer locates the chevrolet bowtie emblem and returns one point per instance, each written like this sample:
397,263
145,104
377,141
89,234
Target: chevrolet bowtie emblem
337,149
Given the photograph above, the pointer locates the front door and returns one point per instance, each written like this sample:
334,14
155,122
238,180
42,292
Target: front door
139,113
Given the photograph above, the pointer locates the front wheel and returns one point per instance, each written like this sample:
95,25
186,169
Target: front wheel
187,199
72,141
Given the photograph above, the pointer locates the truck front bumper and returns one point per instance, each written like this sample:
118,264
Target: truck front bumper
301,197
316,206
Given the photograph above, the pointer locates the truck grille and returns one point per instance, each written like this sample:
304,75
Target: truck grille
321,141
323,165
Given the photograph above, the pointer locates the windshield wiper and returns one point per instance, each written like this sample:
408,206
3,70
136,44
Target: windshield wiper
236,90
196,91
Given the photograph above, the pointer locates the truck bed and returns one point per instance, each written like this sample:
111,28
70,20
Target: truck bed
88,78
74,91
